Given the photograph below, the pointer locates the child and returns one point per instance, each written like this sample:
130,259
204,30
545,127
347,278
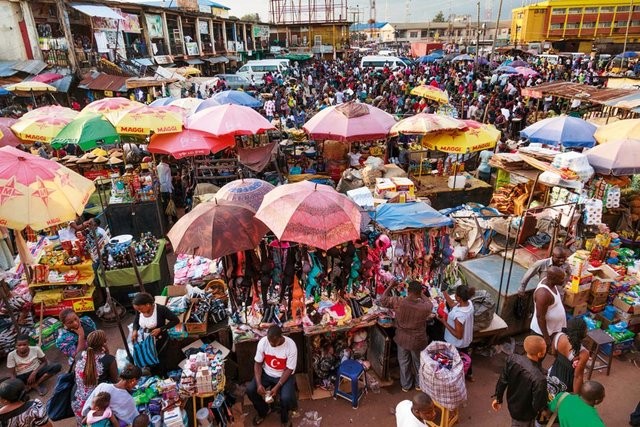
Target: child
100,414
30,365
141,420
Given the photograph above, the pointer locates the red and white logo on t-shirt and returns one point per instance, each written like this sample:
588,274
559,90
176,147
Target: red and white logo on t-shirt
275,362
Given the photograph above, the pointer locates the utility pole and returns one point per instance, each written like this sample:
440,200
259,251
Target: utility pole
626,33
495,36
477,41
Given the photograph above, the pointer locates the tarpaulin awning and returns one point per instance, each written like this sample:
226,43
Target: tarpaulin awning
627,102
234,58
147,62
136,82
194,61
571,90
218,59
258,158
6,68
63,84
97,10
102,81
402,216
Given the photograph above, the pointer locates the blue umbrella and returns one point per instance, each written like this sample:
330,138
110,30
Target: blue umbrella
4,92
161,102
428,59
566,130
628,54
483,61
438,54
230,97
463,57
506,69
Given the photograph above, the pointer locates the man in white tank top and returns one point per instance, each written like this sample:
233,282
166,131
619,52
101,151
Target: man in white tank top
549,316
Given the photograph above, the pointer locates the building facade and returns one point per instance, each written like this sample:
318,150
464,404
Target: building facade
573,25
457,33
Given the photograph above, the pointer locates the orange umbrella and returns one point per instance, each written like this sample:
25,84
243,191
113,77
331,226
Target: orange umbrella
112,108
189,143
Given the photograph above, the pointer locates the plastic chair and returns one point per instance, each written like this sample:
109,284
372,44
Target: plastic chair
350,370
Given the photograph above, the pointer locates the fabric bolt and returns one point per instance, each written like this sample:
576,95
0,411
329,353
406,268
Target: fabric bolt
122,403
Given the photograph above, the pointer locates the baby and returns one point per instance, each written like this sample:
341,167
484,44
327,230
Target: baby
100,414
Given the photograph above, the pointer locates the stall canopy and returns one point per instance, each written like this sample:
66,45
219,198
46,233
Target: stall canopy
402,216
97,10
571,90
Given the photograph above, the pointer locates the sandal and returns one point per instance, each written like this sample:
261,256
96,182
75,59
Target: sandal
257,420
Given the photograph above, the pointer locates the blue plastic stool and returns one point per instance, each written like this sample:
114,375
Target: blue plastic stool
352,371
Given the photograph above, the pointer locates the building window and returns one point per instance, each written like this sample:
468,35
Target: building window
590,10
604,24
621,23
557,26
558,11
636,8
608,9
575,10
424,34
635,23
588,25
413,35
622,9
573,25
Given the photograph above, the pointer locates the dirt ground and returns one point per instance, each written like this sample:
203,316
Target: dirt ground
622,395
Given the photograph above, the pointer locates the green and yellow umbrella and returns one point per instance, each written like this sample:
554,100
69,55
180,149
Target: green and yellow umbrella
87,131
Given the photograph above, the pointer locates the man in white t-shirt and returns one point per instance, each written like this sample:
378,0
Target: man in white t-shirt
415,412
275,363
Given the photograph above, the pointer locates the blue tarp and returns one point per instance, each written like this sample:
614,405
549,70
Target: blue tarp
401,216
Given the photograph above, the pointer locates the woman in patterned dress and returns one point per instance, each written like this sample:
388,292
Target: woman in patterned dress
93,366
17,411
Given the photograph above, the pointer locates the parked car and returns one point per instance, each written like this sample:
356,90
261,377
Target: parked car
235,81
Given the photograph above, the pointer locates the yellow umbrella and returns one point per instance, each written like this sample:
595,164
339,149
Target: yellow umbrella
99,152
40,127
477,137
112,108
145,120
430,92
187,104
31,86
51,110
623,129
424,123
187,71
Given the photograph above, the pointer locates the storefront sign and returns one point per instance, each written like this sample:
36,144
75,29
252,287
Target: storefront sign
261,31
192,48
203,27
130,24
154,24
163,59
204,8
96,174
108,93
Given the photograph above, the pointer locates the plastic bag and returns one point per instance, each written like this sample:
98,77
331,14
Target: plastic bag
445,385
311,419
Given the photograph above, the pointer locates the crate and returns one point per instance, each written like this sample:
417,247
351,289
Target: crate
194,327
573,299
577,310
618,347
626,307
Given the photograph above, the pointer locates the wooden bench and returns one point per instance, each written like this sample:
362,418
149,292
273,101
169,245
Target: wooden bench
491,332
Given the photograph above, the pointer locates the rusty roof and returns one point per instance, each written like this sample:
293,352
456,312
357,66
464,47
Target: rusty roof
103,81
574,90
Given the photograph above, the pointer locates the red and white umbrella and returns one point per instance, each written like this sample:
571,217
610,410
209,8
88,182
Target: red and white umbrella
229,119
189,143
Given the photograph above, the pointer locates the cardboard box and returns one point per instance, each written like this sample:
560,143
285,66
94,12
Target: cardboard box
603,277
194,327
573,299
625,307
172,291
604,322
579,261
577,310
630,319
406,186
581,283
618,348
383,186
598,298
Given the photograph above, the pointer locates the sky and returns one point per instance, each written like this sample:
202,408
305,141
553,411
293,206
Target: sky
395,10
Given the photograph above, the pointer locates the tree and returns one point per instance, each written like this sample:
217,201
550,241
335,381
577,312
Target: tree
439,17
251,17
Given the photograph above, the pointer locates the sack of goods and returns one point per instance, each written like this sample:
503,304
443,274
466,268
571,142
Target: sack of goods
442,374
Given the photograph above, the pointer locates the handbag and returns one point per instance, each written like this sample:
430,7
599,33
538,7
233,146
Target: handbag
555,413
59,405
145,352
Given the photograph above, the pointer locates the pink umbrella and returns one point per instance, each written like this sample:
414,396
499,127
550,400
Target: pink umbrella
8,137
250,191
350,122
229,119
526,71
311,214
189,143
47,77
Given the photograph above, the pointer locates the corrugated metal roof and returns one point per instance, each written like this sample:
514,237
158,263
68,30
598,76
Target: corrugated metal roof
194,61
571,90
63,84
97,10
6,68
367,26
102,81
218,59
31,66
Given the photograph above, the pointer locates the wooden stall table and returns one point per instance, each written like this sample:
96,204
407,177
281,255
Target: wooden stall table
437,190
49,299
491,332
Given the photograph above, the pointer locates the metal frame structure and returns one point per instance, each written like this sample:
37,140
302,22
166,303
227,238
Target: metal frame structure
283,12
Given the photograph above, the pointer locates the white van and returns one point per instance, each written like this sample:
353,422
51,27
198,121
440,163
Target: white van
255,70
378,62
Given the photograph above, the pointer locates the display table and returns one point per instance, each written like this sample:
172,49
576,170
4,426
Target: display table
156,271
136,218
437,190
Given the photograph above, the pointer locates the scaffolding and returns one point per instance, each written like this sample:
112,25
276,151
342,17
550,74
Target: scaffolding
284,12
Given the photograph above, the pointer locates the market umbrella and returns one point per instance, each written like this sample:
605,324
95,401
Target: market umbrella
8,137
526,71
506,69
162,101
37,192
431,92
349,122
146,120
41,127
477,137
463,57
483,61
187,71
47,77
190,105
250,191
424,123
616,158
628,54
230,97
30,86
189,143
622,129
86,131
519,63
112,108
311,214
566,130
428,59
229,120
51,110
217,228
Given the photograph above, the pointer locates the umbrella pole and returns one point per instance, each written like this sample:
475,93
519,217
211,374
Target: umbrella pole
134,264
4,295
